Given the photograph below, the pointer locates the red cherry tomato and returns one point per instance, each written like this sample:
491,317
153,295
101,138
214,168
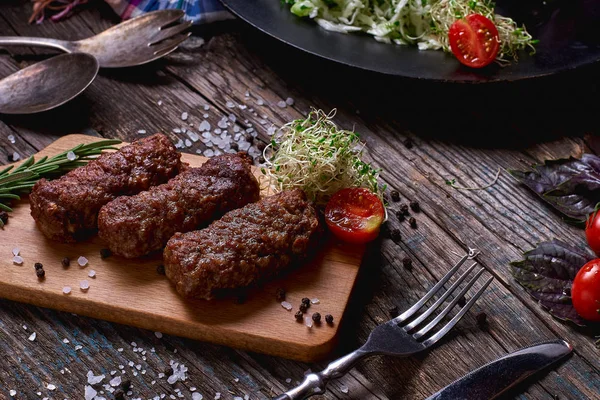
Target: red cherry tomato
586,291
592,232
354,215
474,40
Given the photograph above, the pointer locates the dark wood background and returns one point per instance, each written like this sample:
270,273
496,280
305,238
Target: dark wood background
462,132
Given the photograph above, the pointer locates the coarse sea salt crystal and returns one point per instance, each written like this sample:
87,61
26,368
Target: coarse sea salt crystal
116,381
193,136
217,396
12,393
65,340
78,347
82,261
18,260
188,143
308,322
51,387
344,389
242,106
260,102
11,138
262,121
230,104
282,104
232,118
289,101
141,132
90,392
247,397
94,379
16,156
206,107
16,251
315,301
204,126
238,398
31,337
271,130
288,380
184,116
158,334
84,285
204,115
197,396
176,130
159,102
287,305
247,94
113,372
92,273
71,156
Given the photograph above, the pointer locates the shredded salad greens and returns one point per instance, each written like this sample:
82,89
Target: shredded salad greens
424,23
313,154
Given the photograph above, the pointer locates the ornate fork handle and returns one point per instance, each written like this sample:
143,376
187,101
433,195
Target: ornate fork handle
315,383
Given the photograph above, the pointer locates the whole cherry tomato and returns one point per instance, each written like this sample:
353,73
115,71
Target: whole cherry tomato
592,232
586,291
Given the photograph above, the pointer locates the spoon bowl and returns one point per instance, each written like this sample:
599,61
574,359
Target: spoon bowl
47,84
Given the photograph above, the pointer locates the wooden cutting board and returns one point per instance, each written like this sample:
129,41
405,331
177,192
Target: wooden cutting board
132,292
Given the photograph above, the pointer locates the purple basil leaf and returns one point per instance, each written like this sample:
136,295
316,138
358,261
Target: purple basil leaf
571,186
547,273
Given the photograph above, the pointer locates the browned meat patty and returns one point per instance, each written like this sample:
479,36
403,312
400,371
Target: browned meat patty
245,246
66,209
138,225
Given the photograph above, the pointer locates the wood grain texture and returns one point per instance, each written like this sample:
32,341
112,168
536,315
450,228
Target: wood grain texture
462,132
132,292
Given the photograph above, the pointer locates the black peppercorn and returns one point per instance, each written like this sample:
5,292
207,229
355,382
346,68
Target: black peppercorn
404,209
249,138
40,272
414,205
481,320
105,253
299,316
4,217
234,146
119,394
316,317
168,371
261,146
38,265
395,235
160,269
408,143
461,301
400,216
306,300
280,294
329,319
66,262
126,384
11,158
395,195
303,307
407,262
261,160
412,222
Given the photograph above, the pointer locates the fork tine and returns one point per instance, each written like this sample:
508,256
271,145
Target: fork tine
410,312
439,301
171,43
457,317
172,31
424,331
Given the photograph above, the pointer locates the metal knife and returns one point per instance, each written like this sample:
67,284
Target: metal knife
498,376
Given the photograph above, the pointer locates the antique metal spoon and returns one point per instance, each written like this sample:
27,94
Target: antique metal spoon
133,42
47,84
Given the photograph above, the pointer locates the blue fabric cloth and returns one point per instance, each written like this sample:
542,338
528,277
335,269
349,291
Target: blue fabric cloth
197,11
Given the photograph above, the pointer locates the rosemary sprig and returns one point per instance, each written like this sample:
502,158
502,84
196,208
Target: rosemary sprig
20,180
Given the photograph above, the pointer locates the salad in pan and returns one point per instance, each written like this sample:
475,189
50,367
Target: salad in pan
470,29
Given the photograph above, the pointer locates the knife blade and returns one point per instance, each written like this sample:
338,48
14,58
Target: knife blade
496,377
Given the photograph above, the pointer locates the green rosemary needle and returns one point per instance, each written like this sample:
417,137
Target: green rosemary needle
20,180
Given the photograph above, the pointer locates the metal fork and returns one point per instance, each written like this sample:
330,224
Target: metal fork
399,337
133,42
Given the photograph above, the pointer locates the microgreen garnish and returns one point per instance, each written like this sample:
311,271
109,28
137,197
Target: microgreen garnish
20,180
313,154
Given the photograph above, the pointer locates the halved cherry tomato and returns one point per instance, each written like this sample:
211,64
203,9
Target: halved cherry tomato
354,215
585,291
592,232
474,40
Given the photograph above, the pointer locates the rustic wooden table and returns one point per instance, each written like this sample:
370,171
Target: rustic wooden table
457,132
